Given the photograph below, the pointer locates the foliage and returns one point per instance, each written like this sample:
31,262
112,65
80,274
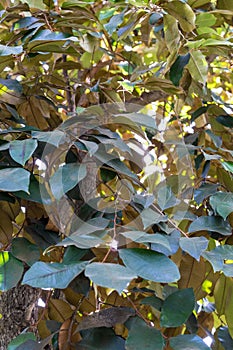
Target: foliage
116,170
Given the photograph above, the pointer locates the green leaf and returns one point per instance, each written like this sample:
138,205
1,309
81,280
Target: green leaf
228,166
20,339
217,258
177,308
150,265
153,301
73,254
188,342
11,270
198,66
225,120
54,138
6,50
210,223
166,198
22,150
24,250
141,336
176,70
142,237
66,178
14,179
110,275
52,275
150,217
205,19
222,203
194,246
183,13
37,192
204,191
101,339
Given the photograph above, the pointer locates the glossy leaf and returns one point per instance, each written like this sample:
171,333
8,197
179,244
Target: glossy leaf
188,342
55,275
24,250
19,179
150,265
6,50
11,270
109,275
211,223
66,178
177,307
222,203
177,68
141,336
194,246
20,339
101,339
22,150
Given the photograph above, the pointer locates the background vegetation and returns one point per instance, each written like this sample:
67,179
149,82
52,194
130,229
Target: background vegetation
116,174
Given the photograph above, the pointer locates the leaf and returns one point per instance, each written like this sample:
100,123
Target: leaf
176,70
12,84
228,166
25,251
210,223
101,339
114,22
54,138
52,275
198,66
194,246
166,198
6,50
222,203
183,13
153,301
150,265
225,120
19,179
205,19
109,275
22,150
171,32
217,257
188,342
177,308
204,191
66,178
141,336
20,339
225,338
150,217
11,270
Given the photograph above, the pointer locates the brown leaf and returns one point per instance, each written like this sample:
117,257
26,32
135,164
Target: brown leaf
68,335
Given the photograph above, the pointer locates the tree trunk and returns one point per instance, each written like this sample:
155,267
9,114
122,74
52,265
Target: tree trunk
18,310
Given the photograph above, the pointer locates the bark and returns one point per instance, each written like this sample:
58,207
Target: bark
18,310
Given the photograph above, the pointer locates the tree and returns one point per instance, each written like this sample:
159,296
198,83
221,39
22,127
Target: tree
116,175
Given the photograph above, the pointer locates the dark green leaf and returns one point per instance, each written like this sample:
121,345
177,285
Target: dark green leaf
176,70
194,246
66,178
204,191
24,250
101,339
188,342
52,275
73,254
150,265
225,120
153,301
11,270
228,166
141,336
222,203
211,223
110,275
20,339
177,308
